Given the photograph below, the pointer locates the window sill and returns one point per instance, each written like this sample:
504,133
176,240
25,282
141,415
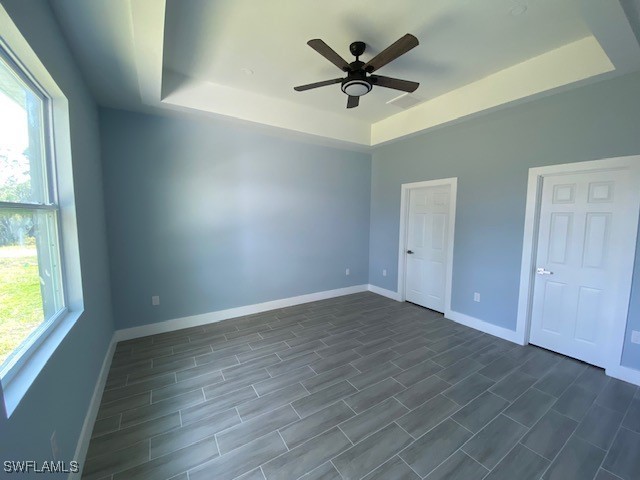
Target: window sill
16,387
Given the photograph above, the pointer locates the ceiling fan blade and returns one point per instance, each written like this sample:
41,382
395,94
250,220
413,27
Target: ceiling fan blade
327,52
309,86
395,83
353,102
400,47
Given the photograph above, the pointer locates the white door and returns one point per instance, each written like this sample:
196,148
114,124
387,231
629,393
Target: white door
427,246
583,219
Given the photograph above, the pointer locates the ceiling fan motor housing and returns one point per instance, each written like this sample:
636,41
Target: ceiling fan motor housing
356,84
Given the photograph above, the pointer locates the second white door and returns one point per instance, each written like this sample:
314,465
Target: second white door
427,246
583,221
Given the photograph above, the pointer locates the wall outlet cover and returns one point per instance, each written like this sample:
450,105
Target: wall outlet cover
476,297
635,336
384,272
155,300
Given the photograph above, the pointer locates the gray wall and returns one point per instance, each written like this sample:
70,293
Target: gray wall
59,398
491,156
211,216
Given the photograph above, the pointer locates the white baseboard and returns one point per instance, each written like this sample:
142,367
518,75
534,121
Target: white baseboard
486,327
384,292
217,316
626,374
92,412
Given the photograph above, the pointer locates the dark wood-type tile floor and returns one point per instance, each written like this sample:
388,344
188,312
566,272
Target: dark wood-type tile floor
357,387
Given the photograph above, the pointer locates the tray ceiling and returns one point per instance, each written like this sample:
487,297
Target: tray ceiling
242,58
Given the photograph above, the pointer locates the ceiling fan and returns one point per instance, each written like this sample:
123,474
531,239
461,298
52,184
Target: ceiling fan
359,80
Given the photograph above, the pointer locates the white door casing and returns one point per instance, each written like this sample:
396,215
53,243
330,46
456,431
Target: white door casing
581,225
427,218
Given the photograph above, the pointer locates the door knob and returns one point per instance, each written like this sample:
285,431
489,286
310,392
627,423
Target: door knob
410,252
542,271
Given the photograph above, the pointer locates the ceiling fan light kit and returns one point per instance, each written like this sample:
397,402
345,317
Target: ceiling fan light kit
359,80
356,88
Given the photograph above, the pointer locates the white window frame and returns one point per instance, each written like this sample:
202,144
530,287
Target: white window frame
24,367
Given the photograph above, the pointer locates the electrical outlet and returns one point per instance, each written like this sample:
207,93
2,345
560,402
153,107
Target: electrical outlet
55,450
384,272
347,272
476,297
635,336
155,300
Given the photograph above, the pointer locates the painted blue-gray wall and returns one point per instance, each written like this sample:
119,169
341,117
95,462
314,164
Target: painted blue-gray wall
491,155
211,215
631,353
59,398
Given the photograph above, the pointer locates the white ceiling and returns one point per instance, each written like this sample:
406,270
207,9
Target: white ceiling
473,56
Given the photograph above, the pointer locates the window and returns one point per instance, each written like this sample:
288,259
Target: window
40,273
31,286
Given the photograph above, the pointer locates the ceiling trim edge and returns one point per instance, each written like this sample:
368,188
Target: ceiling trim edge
568,64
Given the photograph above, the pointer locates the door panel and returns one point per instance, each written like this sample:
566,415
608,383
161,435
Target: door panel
559,235
553,297
439,222
564,193
427,232
435,275
595,242
589,311
415,278
581,216
419,229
